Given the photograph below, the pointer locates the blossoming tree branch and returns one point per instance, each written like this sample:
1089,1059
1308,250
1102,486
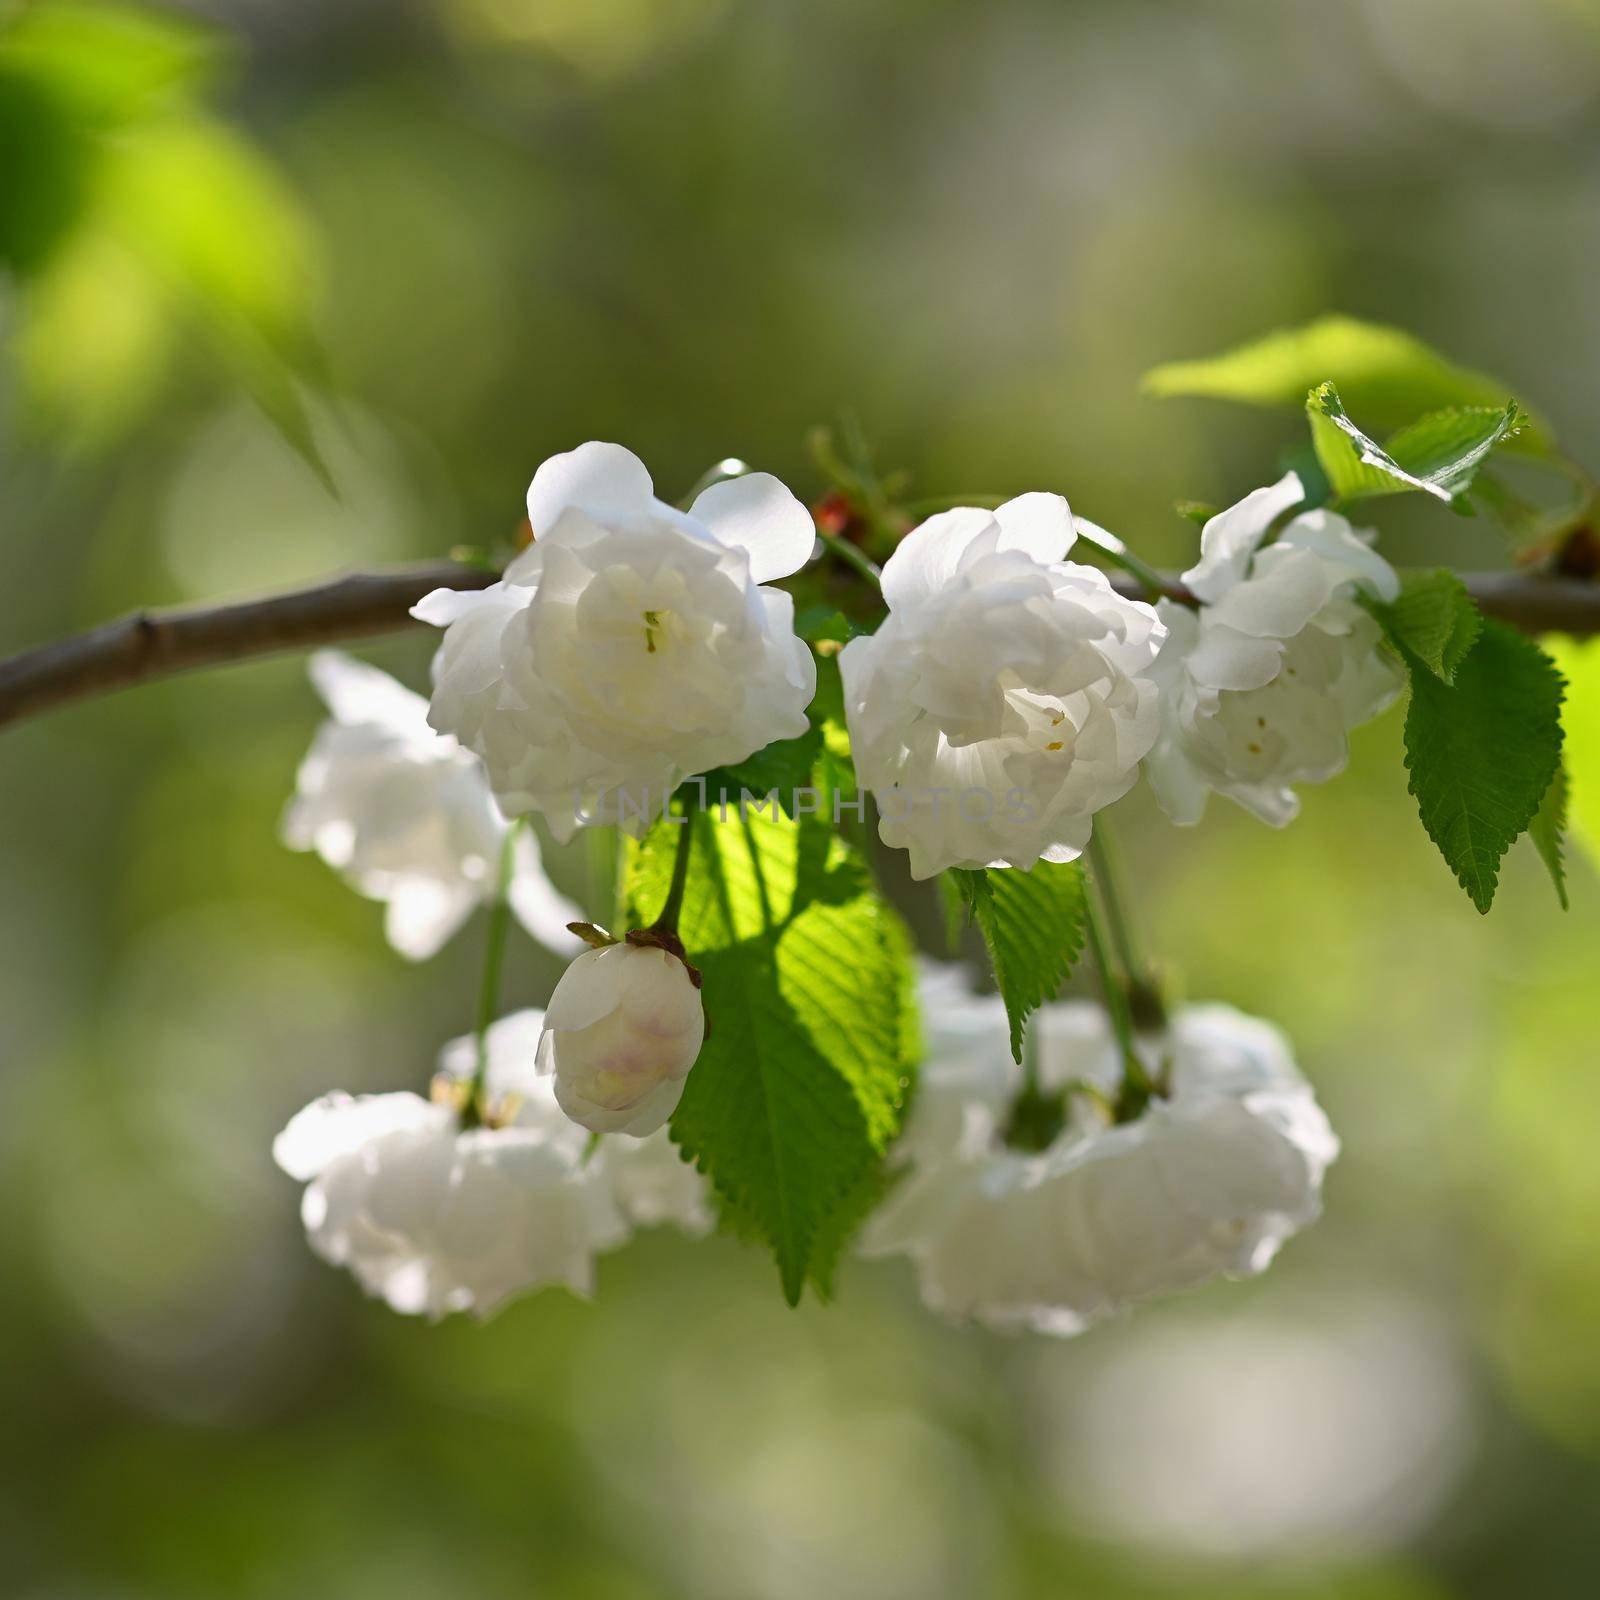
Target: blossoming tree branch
754,708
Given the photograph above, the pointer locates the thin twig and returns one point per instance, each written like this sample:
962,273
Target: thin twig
150,645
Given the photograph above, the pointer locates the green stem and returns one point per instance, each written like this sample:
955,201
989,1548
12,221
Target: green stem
848,553
667,922
1102,863
1116,999
1156,587
494,952
1030,1059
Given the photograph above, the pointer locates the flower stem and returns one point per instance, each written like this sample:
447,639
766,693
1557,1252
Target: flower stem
1102,862
851,556
667,922
494,952
1156,587
1137,1085
1140,985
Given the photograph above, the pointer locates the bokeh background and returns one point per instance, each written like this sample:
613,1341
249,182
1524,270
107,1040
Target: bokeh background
428,242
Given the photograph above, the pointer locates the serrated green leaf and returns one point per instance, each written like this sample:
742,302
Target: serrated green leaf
1385,374
1445,449
1434,618
1548,831
1482,751
1437,454
1033,924
1579,663
802,1081
782,768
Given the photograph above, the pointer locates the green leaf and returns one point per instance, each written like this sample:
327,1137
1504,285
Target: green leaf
1579,663
1548,832
1387,375
1033,924
820,623
781,768
808,1058
147,227
1482,751
1434,618
109,63
1438,454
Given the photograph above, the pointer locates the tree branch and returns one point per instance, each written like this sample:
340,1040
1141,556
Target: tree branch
158,644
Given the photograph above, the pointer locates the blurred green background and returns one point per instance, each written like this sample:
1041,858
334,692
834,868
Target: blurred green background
426,244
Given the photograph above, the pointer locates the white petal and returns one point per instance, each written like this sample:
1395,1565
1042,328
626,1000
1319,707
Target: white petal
757,514
1039,524
540,907
1332,538
598,477
591,988
927,558
1179,789
1224,659
358,693
443,606
424,913
1230,538
1286,588
338,1124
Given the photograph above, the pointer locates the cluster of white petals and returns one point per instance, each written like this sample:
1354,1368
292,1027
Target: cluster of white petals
630,645
1261,684
433,1217
1209,1181
621,1031
406,817
1008,696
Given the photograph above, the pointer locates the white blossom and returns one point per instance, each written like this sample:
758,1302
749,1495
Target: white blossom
406,817
436,1218
433,1217
1007,697
646,1178
1260,684
621,1032
1208,1181
630,645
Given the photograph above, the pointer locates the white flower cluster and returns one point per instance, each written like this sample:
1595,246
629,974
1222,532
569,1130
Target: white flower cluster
1009,696
434,1217
405,815
1260,683
1208,1181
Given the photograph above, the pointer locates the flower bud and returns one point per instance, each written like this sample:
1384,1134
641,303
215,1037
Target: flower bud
621,1031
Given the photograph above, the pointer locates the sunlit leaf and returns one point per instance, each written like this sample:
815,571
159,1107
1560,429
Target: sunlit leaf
1434,618
1548,830
1481,752
1386,375
1438,454
1033,925
1579,661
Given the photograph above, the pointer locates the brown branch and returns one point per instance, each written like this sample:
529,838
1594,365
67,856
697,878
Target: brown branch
157,644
